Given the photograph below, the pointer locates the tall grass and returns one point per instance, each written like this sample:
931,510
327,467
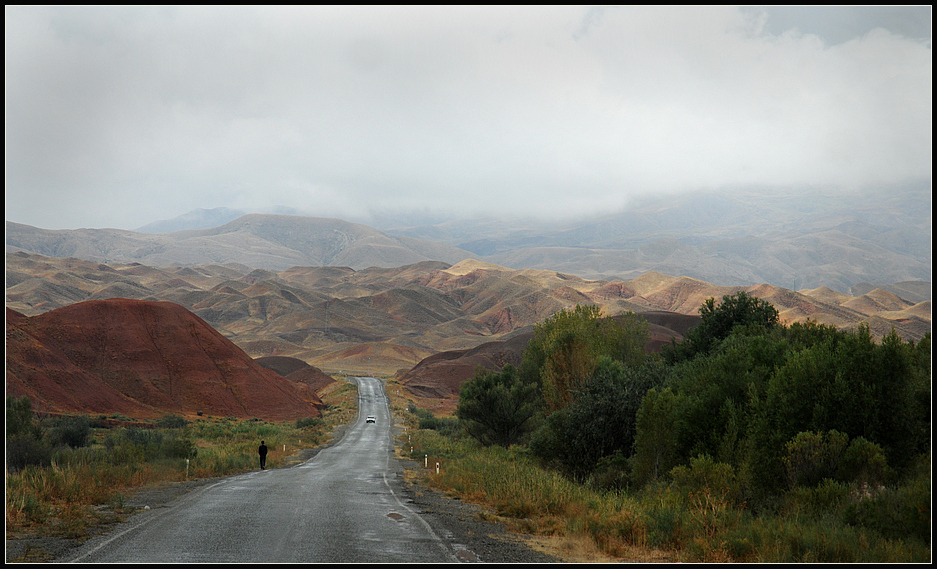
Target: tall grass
698,523
57,496
65,498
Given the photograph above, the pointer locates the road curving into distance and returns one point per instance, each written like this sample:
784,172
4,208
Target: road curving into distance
345,505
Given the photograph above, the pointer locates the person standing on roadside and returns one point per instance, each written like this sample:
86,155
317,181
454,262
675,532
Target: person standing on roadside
262,451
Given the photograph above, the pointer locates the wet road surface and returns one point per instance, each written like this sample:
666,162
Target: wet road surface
345,505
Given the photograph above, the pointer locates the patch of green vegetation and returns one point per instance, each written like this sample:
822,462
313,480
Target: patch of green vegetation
751,441
59,469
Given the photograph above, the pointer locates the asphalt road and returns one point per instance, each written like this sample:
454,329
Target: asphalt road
345,505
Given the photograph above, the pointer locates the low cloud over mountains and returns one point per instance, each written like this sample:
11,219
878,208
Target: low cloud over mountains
795,240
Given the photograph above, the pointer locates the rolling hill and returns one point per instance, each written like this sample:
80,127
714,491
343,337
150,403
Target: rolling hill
141,358
440,375
384,320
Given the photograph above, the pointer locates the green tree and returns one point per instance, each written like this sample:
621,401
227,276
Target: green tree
566,347
600,421
848,383
498,408
715,392
25,443
718,321
655,443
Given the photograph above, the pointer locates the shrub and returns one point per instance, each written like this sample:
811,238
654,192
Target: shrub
704,473
665,526
811,457
309,422
178,447
828,497
73,431
171,421
612,473
24,450
864,462
25,445
896,512
20,417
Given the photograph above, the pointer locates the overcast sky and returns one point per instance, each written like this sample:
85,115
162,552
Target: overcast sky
116,117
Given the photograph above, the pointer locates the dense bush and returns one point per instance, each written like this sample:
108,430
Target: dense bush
427,420
895,512
811,457
601,419
800,420
74,431
134,444
309,422
171,421
497,407
25,443
23,450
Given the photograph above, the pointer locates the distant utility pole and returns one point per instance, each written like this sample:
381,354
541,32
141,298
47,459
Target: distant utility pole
327,330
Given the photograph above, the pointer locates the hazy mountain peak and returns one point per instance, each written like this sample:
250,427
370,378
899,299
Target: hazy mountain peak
195,219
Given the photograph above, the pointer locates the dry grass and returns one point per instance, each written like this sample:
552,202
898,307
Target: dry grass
582,548
658,524
85,487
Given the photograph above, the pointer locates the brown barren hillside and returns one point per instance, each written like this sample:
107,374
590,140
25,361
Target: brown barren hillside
441,375
380,320
876,301
143,359
297,371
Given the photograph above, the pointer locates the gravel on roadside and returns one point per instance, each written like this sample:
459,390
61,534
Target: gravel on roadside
473,538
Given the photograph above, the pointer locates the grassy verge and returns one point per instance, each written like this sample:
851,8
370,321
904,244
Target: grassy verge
665,522
85,487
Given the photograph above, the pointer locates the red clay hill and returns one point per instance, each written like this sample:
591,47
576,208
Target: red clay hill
143,359
441,375
297,371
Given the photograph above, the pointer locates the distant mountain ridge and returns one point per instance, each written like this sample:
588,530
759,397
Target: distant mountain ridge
798,240
264,241
195,219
